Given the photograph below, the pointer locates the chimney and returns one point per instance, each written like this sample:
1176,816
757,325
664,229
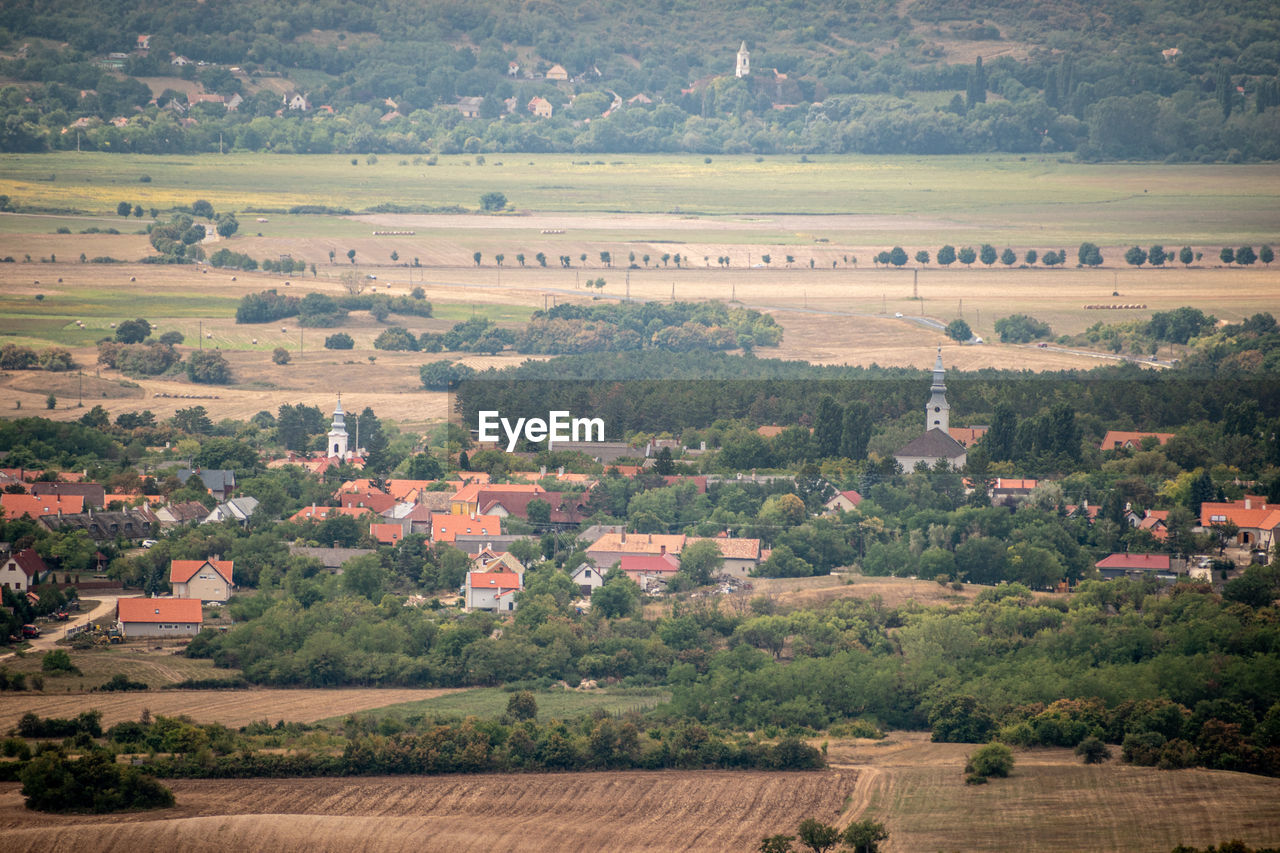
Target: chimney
560,471
1248,502
624,537
662,550
542,471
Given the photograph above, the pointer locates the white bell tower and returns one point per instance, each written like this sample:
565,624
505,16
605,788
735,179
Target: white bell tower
937,414
744,61
337,447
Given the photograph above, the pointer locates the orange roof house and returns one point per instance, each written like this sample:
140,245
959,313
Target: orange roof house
202,580
967,436
1119,439
386,534
1257,522
159,617
447,527
320,513
34,506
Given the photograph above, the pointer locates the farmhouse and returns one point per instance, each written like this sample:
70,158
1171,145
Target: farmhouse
845,501
540,107
159,617
588,578
205,580
1256,521
1161,566
21,570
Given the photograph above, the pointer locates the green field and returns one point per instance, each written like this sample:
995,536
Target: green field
491,702
1036,199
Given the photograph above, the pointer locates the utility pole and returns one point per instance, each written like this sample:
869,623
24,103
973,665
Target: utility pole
80,403
301,346
200,334
915,284
628,285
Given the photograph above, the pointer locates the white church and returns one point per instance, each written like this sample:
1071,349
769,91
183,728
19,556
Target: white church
936,444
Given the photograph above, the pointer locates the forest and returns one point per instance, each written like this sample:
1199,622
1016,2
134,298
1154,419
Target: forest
1144,80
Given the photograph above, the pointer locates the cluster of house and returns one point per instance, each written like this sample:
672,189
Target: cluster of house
194,584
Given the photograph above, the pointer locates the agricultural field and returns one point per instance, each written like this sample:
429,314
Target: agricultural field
1051,803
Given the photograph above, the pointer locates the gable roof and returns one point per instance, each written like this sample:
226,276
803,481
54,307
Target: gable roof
731,548
16,506
387,534
853,496
934,444
214,479
1008,484
493,580
29,562
181,571
967,435
446,527
647,564
638,543
159,610
1146,562
94,494
1115,439
1253,513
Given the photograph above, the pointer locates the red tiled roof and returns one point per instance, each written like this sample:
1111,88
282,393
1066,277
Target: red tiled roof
664,563
446,527
181,571
1119,438
320,513
16,506
731,548
1150,562
159,610
638,543
493,580
388,534
30,563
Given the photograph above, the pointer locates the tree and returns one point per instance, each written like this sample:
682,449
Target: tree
1093,751
1157,256
1089,255
1228,255
1053,259
1245,256
351,255
280,355
202,208
994,759
493,201
124,208
1135,256
1008,258
541,259
606,259
976,87
208,367
226,224
1031,257
967,255
865,835
662,463
827,426
700,562
618,597
947,255
499,258
1185,256
855,433
341,340
897,256
987,254
1266,255
777,844
476,257
522,706
51,402
922,257
816,835
443,375
133,331
959,719
768,259
958,330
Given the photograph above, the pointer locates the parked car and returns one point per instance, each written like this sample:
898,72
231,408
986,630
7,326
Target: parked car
147,543
30,631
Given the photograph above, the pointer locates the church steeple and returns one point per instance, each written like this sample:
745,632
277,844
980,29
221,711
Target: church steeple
338,433
937,412
744,62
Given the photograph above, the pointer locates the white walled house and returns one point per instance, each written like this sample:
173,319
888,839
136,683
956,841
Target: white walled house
494,591
159,617
588,578
21,570
203,580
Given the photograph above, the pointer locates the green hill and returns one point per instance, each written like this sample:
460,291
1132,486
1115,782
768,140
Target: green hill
1150,79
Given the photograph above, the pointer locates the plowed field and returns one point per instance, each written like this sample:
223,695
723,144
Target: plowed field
229,707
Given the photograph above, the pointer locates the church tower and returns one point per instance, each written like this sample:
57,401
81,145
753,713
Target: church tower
744,61
338,434
937,413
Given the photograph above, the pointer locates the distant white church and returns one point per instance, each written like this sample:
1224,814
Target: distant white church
936,444
744,62
338,437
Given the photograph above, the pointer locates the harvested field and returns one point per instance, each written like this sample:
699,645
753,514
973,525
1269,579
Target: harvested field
229,707
588,812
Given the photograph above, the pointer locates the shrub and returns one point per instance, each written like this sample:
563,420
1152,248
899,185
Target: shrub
1093,751
341,340
280,355
58,661
994,759
120,683
94,783
209,368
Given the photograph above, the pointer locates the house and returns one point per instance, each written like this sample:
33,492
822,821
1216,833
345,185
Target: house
1155,521
470,107
370,499
415,491
489,560
446,527
333,559
1006,491
557,72
130,524
612,547
936,444
473,545
179,60
540,107
650,572
1121,440
183,512
1140,565
220,482
588,578
843,501
513,69
466,500
386,534
159,617
494,591
1086,511
297,101
143,42
740,556
34,506
94,494
1257,522
206,98
320,513
234,102
238,510
967,436
204,580
22,570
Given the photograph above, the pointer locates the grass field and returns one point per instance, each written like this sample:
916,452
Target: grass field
491,702
998,195
1051,803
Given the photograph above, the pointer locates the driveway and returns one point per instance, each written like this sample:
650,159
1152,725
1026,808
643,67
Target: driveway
51,632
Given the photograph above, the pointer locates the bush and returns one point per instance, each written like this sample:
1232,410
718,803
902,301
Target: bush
1093,751
280,355
120,683
341,340
94,783
994,759
209,368
58,662
1021,328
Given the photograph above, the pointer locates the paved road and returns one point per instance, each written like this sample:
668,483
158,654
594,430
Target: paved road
51,632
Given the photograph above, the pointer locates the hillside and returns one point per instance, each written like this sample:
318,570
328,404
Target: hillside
1147,80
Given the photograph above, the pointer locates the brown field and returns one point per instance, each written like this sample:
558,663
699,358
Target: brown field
229,707
1050,803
